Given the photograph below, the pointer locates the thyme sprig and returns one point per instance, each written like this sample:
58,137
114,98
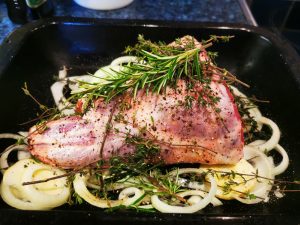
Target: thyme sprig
47,113
244,105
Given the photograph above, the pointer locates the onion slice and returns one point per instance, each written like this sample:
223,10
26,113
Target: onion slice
264,169
80,188
52,193
273,141
3,160
195,203
127,192
29,197
123,59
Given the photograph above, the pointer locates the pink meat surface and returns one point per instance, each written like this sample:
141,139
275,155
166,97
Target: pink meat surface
184,135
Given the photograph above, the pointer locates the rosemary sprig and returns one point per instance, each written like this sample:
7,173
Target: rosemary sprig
154,75
158,65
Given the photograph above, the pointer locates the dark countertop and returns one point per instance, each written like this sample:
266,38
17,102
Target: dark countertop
174,10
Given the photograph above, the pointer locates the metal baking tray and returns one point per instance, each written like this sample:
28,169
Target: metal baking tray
35,52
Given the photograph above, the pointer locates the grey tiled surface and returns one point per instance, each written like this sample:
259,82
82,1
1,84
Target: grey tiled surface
168,10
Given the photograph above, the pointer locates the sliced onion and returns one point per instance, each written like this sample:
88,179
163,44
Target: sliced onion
123,59
199,187
96,78
282,166
127,192
121,184
24,134
185,170
3,160
216,202
145,206
273,141
166,208
92,185
57,93
23,154
46,195
234,184
80,188
52,193
62,73
75,80
66,107
11,188
196,193
194,185
253,111
10,136
61,102
264,169
128,182
57,88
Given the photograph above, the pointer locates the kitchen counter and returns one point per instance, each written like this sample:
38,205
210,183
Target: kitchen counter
174,10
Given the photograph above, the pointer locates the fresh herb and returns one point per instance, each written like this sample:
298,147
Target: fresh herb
251,196
27,92
158,65
21,141
189,101
77,199
47,113
134,164
244,105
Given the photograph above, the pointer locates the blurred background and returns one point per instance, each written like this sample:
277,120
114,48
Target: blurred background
279,16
